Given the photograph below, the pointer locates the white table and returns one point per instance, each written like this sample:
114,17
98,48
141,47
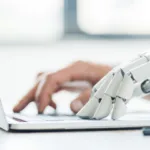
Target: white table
104,140
19,64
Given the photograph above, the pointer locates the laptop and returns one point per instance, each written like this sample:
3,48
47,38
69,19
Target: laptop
20,122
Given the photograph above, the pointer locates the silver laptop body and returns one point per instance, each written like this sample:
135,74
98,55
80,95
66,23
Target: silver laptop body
20,122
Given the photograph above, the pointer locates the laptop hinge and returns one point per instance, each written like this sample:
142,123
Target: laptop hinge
3,122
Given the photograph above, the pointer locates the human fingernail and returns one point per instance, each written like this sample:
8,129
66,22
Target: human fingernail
76,105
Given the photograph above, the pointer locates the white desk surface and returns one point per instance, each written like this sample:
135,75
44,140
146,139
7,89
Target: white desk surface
105,140
19,64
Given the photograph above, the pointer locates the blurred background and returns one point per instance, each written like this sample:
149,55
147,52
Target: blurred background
46,35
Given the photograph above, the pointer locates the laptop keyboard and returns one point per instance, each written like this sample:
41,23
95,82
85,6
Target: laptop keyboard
26,118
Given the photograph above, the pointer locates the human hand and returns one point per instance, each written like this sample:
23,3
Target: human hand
50,83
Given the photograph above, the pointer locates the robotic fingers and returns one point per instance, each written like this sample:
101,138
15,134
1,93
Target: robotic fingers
112,93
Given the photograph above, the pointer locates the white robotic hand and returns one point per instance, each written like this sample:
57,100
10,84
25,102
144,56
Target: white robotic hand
113,92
